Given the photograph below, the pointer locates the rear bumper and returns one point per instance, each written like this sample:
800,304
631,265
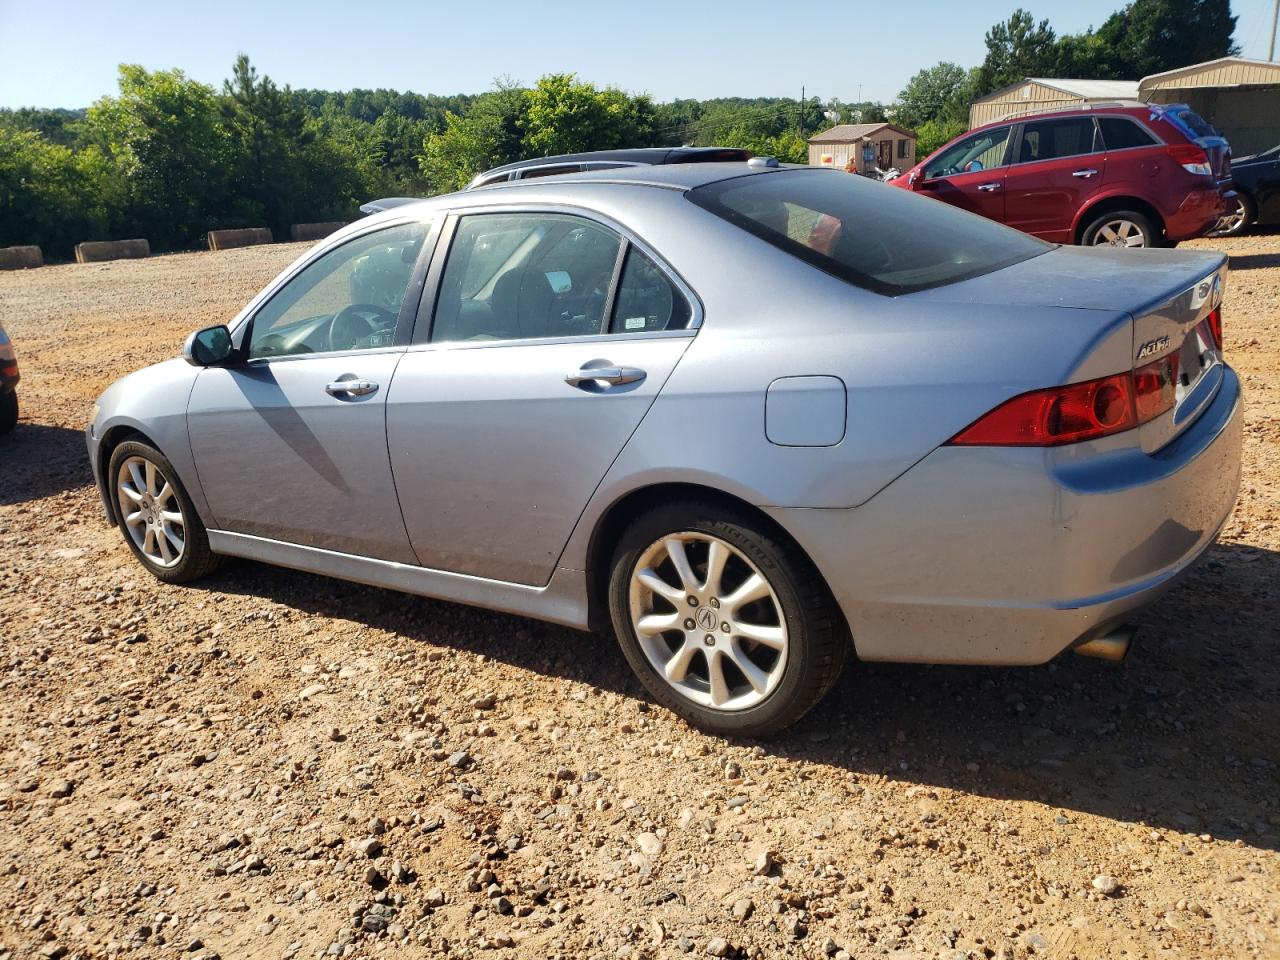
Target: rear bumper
1199,212
1012,555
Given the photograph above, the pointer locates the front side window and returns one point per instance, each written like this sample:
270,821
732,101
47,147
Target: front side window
348,299
1121,133
979,151
523,276
1051,139
880,238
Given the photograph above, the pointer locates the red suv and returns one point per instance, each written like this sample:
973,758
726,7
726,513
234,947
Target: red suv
1124,175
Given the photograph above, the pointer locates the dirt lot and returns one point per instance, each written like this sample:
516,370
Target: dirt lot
271,764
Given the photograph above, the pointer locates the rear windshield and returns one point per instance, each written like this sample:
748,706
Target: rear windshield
867,233
1192,121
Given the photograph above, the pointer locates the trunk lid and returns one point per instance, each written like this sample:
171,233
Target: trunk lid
1168,294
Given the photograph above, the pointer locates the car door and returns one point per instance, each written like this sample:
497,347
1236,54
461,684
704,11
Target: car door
1057,166
970,173
549,338
290,442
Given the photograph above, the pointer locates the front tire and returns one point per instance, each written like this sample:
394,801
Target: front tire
156,515
725,621
8,411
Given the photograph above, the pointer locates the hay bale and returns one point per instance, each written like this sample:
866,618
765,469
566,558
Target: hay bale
20,258
314,231
230,239
95,251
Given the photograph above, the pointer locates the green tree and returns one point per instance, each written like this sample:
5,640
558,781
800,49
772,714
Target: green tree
1151,36
934,93
50,195
488,135
1016,49
568,115
163,137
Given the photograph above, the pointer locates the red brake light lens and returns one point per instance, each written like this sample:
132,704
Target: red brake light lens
1215,326
1192,158
1078,411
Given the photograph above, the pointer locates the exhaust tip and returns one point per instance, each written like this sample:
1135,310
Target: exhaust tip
1114,646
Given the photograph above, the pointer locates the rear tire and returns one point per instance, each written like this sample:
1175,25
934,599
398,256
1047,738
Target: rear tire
1122,228
8,411
767,640
1238,222
156,515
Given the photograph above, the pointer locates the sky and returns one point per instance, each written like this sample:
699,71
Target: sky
64,54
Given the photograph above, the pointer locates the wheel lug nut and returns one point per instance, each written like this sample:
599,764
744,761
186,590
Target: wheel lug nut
709,640
724,627
689,624
715,602
693,601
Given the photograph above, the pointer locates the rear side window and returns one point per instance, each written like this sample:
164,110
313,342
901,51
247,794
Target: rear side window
1121,133
871,235
646,299
1051,139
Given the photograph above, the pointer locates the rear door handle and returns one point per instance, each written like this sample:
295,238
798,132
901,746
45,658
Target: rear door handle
614,376
988,187
350,388
1085,174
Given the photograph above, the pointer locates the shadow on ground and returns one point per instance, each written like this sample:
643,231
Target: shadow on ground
1181,736
37,461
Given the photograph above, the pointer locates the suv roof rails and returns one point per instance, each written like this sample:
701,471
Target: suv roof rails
1098,105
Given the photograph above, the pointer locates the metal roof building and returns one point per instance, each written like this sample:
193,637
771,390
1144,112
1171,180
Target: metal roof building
1044,93
1240,97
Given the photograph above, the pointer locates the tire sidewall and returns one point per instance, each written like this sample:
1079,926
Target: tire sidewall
779,708
1153,237
195,537
8,411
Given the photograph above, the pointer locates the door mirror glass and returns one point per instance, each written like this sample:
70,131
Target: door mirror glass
208,347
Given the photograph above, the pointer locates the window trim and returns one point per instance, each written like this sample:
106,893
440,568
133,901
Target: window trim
242,329
424,319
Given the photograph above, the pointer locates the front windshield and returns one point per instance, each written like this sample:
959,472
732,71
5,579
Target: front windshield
870,234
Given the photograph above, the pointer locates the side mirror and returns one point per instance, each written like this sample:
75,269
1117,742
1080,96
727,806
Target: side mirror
208,347
914,178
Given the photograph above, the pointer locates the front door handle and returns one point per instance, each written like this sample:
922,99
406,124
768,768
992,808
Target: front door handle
350,388
988,187
1085,174
612,375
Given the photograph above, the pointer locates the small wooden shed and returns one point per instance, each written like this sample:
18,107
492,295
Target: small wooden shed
1240,97
1045,93
871,145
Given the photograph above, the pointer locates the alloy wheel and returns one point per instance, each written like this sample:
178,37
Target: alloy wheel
1120,232
1234,221
708,621
151,510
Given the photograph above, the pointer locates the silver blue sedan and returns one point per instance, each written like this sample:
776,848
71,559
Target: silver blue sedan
750,419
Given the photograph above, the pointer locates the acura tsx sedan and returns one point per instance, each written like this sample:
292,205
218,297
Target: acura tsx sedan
752,419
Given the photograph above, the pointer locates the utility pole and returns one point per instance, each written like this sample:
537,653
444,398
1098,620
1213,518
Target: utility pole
1275,15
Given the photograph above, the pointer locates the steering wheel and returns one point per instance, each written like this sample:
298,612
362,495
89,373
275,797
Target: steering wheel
350,324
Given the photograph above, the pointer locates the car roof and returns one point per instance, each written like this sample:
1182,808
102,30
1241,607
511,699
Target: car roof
672,176
636,155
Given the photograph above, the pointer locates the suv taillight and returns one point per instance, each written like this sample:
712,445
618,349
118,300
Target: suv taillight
1078,411
1193,158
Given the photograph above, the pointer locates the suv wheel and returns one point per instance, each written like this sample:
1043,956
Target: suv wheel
1122,228
725,623
157,518
8,411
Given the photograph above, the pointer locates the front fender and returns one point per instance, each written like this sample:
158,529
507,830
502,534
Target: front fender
153,402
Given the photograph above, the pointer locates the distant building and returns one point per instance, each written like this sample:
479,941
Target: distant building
1043,93
871,145
1240,97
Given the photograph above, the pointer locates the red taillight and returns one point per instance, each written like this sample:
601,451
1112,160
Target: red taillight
1078,411
1215,326
1192,158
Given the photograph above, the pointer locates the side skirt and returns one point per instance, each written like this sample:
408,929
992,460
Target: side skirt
562,601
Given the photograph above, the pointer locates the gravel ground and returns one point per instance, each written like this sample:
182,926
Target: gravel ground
271,764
